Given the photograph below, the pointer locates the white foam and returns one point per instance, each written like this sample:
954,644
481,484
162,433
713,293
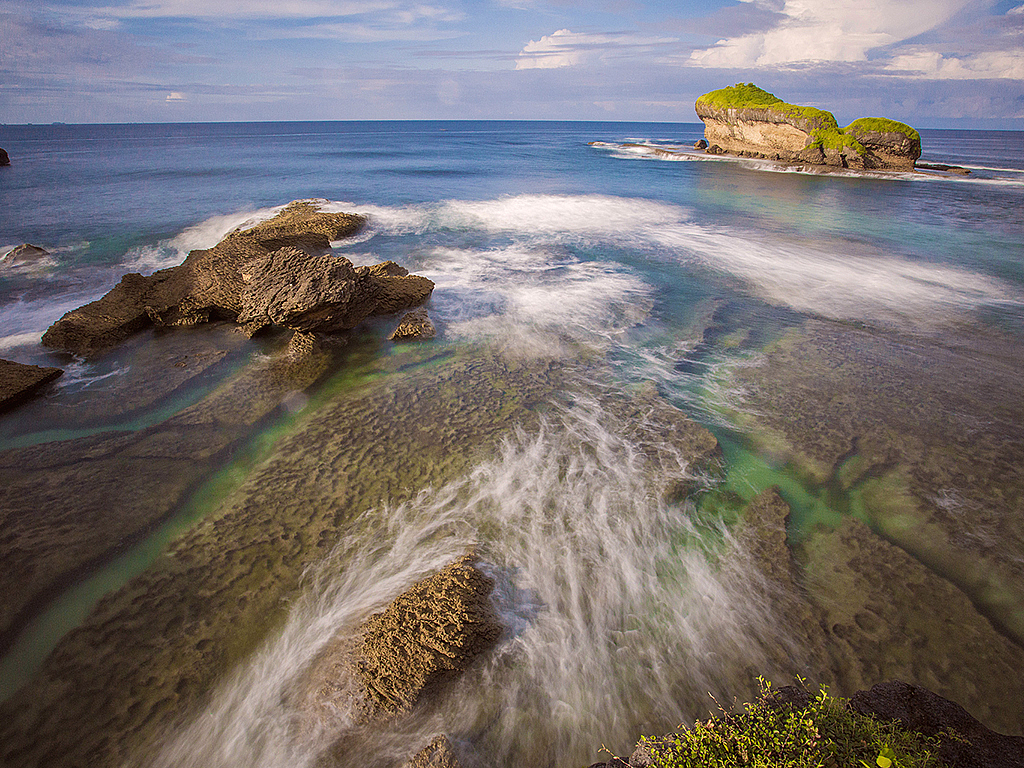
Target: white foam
611,621
206,234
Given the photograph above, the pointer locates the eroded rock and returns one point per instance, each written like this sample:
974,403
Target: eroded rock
18,381
429,634
437,754
26,253
275,273
747,121
414,325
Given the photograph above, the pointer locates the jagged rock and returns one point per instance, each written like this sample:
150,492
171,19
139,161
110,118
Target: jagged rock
18,381
4,157
414,325
700,144
747,121
437,754
26,253
429,634
276,272
918,709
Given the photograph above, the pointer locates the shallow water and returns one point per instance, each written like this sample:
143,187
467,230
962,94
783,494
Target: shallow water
672,269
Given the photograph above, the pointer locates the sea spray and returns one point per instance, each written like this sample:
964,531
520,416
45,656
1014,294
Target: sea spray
617,619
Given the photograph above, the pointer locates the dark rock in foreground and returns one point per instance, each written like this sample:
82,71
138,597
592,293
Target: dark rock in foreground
275,273
4,158
19,382
918,709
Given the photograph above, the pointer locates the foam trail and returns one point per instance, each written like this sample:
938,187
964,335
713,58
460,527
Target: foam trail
614,624
206,234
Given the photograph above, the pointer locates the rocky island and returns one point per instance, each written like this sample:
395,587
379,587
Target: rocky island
747,121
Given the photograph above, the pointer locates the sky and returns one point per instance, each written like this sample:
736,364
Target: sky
931,63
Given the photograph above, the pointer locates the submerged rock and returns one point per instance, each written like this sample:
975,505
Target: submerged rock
275,273
429,634
414,325
18,381
747,121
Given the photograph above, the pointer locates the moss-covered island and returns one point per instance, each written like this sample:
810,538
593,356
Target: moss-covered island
748,121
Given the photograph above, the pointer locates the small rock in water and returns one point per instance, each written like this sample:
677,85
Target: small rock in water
18,381
26,253
414,325
4,157
700,144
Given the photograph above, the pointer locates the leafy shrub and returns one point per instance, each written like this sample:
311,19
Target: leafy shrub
825,733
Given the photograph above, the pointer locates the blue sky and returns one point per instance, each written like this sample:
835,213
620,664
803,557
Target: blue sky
928,62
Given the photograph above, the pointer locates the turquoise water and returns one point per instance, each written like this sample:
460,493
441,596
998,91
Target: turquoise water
676,270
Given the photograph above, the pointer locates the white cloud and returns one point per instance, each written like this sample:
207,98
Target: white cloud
990,65
1019,10
394,10
565,48
829,31
174,96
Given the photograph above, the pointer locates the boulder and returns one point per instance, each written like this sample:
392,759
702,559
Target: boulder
700,144
4,157
26,253
18,381
747,121
414,325
275,273
428,635
918,709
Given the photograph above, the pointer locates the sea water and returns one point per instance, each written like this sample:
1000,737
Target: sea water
543,239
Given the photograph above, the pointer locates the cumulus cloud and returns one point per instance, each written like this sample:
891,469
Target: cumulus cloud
828,31
988,65
565,48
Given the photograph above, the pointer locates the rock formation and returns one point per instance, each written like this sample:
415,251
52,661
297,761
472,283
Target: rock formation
18,382
437,754
414,325
4,158
430,633
26,253
748,121
275,273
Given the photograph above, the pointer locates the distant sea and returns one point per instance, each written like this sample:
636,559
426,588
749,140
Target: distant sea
591,234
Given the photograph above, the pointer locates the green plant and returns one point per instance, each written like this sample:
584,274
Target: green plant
825,733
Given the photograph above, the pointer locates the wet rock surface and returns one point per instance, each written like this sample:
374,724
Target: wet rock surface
67,506
152,650
429,634
437,754
414,325
19,382
918,709
276,272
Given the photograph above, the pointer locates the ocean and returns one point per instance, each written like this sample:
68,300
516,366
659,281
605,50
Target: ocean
851,340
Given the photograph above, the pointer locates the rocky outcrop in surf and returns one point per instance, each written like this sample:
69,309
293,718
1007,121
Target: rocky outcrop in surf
275,273
18,381
415,325
4,157
748,121
26,253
